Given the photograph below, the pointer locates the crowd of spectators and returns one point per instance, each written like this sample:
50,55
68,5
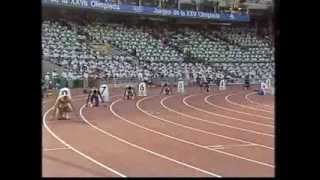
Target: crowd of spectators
144,55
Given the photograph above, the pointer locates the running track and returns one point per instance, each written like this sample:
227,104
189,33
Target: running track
222,134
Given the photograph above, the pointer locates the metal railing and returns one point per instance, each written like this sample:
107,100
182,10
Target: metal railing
60,82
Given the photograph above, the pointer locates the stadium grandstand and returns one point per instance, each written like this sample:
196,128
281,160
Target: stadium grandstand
122,47
121,43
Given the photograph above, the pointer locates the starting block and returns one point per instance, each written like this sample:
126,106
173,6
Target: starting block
180,87
104,91
263,88
268,83
222,85
142,89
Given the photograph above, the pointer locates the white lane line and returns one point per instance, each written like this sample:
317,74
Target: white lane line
183,141
76,150
233,118
253,102
139,147
233,110
243,106
54,149
230,146
184,126
222,124
214,146
200,119
189,127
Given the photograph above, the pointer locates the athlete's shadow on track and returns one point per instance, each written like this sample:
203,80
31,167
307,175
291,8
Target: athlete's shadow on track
55,121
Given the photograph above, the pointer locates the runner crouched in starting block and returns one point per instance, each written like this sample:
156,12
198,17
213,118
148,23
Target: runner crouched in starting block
129,93
63,107
166,89
93,98
204,86
247,82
